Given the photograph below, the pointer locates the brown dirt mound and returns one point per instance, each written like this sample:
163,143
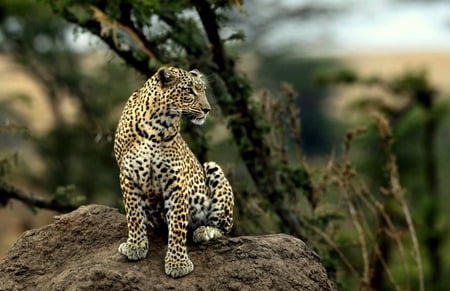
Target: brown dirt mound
79,252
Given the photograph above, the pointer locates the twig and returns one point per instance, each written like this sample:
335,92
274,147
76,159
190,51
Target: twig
8,192
335,247
398,192
384,263
110,24
294,121
362,240
347,185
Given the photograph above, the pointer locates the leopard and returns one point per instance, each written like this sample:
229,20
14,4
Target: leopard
162,181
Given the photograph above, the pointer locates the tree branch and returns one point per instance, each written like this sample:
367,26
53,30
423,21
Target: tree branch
127,55
209,22
248,130
110,24
95,27
8,192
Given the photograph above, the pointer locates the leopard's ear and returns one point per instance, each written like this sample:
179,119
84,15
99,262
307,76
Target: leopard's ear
166,76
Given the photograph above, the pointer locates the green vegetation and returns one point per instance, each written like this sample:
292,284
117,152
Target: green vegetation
373,211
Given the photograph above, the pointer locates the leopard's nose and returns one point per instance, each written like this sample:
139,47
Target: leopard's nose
206,109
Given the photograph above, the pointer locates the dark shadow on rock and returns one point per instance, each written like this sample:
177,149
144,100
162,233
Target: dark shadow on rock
79,252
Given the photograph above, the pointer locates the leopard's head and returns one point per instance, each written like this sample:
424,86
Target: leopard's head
185,93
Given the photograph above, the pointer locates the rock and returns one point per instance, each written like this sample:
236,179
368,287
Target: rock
79,252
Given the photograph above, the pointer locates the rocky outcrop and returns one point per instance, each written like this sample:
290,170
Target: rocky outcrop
79,252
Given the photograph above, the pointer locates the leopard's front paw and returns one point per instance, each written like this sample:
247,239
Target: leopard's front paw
178,267
134,252
206,233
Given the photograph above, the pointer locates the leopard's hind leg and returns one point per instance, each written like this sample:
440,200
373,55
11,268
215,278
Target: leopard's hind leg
219,219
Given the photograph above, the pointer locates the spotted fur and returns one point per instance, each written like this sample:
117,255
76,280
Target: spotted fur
161,179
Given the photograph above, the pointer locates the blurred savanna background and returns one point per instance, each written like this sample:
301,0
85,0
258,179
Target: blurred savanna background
331,119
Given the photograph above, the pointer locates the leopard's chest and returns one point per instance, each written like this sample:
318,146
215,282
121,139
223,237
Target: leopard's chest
174,161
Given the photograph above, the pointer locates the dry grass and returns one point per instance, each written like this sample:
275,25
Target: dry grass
365,211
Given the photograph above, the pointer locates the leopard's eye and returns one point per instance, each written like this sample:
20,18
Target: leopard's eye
195,72
189,96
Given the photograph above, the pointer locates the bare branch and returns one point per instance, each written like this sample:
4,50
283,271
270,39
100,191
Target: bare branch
8,192
110,24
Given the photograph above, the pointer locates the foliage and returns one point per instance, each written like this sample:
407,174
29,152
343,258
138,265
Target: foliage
354,218
343,217
42,47
318,132
416,119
